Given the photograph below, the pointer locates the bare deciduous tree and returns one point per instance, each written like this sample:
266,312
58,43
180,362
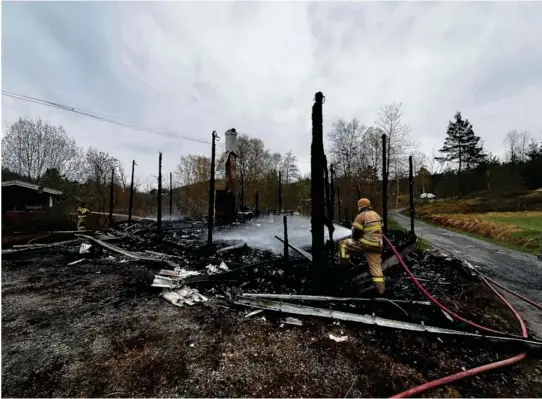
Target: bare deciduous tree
390,122
289,168
371,148
398,143
30,147
516,146
98,167
345,139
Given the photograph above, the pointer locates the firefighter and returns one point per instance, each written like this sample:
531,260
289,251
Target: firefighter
82,212
367,239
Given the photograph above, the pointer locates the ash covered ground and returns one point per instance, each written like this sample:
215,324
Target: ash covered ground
98,329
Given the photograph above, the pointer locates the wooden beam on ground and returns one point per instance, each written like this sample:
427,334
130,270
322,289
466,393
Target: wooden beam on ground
231,248
296,249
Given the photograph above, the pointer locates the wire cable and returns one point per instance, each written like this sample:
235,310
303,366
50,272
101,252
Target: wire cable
104,117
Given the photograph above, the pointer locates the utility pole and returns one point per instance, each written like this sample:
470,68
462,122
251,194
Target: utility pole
170,195
411,193
159,197
384,185
280,191
111,197
317,184
211,212
131,202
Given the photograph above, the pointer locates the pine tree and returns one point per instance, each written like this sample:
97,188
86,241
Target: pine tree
462,146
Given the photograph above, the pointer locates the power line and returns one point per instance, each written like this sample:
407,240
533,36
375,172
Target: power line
110,119
103,117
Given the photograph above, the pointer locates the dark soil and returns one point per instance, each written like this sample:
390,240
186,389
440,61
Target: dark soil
97,329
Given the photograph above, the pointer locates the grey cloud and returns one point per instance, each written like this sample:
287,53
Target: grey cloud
194,67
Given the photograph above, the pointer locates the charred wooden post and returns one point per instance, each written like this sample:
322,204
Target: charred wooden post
111,197
411,193
211,212
170,195
131,201
257,204
280,191
384,185
159,197
332,192
317,183
285,221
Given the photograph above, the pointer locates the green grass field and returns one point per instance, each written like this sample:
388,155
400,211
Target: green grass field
510,219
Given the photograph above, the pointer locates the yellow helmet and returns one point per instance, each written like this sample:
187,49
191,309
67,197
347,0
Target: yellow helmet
364,203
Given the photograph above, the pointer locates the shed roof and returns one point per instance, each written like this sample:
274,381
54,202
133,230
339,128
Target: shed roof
31,186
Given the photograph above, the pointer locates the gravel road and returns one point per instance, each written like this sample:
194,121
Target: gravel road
518,271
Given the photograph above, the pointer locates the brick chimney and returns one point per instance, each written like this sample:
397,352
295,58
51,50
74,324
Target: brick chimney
231,160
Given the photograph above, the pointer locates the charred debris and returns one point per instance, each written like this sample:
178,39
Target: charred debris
290,274
186,264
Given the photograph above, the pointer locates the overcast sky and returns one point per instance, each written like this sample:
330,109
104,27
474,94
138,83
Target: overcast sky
198,67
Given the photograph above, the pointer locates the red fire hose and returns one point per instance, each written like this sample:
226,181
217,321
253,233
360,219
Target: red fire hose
467,373
510,291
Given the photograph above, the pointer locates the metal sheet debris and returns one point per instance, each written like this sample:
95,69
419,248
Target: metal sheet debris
342,338
254,313
212,269
379,321
293,321
317,298
85,248
184,296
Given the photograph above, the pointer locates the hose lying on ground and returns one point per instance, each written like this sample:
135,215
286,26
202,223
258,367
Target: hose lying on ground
467,373
529,301
434,300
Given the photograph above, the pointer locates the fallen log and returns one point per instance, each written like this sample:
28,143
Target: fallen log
317,298
284,307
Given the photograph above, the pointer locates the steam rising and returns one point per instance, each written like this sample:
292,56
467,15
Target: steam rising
260,233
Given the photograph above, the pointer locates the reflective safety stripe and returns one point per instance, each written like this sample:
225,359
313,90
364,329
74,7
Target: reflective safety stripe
373,228
368,242
357,226
343,252
378,279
